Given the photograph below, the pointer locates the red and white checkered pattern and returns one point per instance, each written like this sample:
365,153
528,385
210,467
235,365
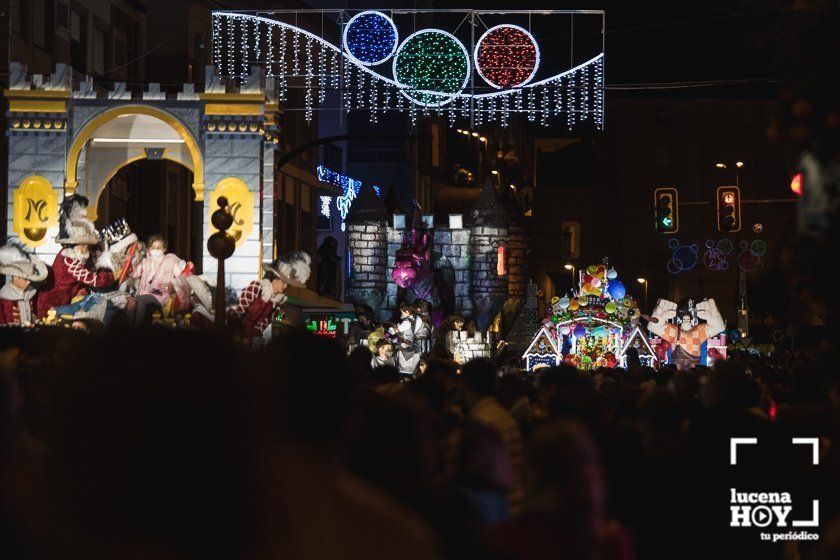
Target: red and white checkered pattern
690,341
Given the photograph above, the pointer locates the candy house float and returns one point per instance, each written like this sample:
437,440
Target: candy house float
590,328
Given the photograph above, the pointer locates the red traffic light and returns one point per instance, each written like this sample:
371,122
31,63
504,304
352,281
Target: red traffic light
729,209
797,183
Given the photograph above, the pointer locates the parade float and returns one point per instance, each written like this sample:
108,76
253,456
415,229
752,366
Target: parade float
688,335
592,327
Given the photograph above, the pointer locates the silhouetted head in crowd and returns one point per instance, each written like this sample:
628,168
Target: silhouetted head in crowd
479,378
442,367
307,377
633,360
149,451
564,474
566,393
384,374
728,387
431,388
512,388
482,462
358,365
684,384
394,445
662,412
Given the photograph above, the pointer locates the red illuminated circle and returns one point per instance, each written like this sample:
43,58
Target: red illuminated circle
507,56
796,184
729,198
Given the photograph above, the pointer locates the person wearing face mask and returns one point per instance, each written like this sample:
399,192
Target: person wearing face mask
16,296
158,280
384,354
72,271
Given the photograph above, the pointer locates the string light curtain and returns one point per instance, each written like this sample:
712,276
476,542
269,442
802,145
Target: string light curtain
430,71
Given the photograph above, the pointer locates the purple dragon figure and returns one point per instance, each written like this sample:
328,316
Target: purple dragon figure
413,267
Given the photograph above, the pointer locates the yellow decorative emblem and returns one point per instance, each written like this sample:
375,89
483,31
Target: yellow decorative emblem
240,205
35,210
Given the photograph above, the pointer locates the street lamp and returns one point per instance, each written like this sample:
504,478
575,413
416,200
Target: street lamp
570,267
739,165
644,281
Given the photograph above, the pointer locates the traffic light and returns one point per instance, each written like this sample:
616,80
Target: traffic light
665,200
796,183
729,209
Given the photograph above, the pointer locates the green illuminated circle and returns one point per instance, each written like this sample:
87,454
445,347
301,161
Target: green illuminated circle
431,60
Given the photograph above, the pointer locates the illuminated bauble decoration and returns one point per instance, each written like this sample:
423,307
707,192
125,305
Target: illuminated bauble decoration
506,56
431,60
370,38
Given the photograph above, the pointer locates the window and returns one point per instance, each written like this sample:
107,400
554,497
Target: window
75,26
120,54
78,39
98,51
38,23
62,15
23,18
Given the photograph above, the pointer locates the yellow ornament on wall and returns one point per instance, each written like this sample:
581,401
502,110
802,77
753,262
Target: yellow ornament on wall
240,205
35,210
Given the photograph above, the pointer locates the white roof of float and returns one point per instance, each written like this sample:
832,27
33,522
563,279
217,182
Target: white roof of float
132,129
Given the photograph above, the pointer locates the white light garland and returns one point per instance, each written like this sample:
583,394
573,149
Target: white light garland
231,59
578,92
245,53
217,37
270,51
322,75
295,53
308,80
257,40
282,56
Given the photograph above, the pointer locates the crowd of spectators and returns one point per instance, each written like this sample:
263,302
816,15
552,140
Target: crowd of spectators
170,444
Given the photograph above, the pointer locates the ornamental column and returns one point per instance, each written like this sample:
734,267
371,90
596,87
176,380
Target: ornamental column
488,231
367,248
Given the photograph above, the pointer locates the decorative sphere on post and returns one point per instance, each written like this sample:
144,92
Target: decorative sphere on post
221,218
221,244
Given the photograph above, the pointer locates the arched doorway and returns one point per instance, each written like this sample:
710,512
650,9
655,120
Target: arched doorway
155,196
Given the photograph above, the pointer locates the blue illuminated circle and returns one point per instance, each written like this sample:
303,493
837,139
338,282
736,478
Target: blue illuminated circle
370,38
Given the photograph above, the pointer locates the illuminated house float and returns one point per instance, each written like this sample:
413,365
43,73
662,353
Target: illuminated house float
592,328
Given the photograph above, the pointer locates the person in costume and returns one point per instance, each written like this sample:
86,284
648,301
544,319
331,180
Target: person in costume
407,356
262,299
202,315
686,334
72,272
422,326
384,355
159,279
17,295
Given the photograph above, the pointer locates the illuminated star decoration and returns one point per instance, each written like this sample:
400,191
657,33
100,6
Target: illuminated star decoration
349,191
431,60
325,205
506,56
370,38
